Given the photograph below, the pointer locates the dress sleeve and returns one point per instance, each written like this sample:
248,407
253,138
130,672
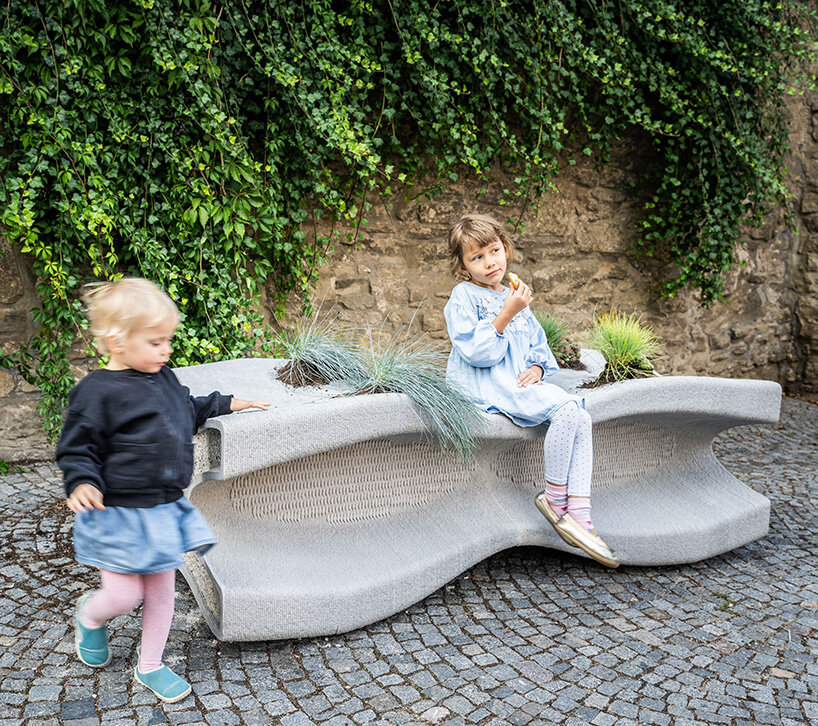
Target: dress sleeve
539,353
79,452
477,341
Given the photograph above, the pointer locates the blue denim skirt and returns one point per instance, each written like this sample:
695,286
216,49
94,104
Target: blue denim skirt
140,541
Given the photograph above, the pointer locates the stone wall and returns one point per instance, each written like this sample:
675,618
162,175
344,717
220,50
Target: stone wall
21,436
804,258
572,248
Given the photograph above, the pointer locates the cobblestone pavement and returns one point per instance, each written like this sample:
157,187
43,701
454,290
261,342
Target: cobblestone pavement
526,637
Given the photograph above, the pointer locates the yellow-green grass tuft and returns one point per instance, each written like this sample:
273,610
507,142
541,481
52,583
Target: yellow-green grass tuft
629,346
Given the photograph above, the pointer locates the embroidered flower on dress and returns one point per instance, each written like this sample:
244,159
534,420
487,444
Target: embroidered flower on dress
490,307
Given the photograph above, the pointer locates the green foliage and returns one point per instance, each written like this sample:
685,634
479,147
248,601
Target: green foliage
726,604
4,467
556,333
627,345
213,147
555,329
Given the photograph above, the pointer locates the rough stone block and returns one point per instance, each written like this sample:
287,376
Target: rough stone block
21,433
6,383
809,203
11,284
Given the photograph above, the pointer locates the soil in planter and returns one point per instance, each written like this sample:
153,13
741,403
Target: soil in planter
569,358
298,375
607,377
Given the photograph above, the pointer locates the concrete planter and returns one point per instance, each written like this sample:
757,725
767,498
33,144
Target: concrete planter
333,513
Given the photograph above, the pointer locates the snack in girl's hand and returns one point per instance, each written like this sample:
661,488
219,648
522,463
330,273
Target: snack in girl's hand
514,280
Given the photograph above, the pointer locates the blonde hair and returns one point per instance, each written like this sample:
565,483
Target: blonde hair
116,309
475,229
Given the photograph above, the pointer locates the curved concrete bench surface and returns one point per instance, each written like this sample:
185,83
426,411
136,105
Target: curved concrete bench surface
335,512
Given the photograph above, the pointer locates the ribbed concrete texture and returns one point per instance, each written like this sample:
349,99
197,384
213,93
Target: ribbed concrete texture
336,512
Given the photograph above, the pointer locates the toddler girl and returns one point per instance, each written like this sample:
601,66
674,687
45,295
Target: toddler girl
500,357
126,455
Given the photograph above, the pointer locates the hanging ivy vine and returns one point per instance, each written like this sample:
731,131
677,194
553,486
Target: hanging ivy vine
199,143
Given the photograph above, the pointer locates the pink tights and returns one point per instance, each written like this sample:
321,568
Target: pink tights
120,594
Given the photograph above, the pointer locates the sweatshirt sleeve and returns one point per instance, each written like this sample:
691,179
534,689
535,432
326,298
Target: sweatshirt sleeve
477,341
539,352
205,407
79,452
202,407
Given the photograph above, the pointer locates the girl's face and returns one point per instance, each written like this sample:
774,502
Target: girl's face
485,266
145,350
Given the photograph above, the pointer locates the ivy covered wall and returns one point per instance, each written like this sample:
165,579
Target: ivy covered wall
218,147
575,252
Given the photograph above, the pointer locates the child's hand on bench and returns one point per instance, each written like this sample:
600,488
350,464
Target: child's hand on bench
237,404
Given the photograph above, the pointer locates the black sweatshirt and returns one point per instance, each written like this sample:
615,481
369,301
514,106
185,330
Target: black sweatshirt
129,434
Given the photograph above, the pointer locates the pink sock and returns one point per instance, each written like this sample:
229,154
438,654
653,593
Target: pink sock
557,497
157,615
580,509
118,594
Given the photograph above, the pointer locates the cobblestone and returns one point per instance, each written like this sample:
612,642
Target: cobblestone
527,637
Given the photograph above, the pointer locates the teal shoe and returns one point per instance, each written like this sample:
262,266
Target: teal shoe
92,643
167,686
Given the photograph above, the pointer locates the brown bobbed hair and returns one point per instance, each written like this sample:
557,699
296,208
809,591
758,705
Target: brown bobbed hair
475,229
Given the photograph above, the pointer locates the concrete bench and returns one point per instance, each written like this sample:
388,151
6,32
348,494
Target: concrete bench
333,513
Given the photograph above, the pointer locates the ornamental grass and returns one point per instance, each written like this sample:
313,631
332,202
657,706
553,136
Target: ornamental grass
556,333
319,353
627,344
323,353
410,365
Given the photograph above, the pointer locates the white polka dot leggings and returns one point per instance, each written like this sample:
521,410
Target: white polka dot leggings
569,452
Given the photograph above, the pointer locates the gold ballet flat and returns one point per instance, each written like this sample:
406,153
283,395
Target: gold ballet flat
545,509
587,540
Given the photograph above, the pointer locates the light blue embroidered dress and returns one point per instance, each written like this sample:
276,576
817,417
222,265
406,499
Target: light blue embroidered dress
485,364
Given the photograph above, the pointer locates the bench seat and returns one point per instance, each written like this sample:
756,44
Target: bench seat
335,512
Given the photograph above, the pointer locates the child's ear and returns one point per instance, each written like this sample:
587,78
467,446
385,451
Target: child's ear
113,344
